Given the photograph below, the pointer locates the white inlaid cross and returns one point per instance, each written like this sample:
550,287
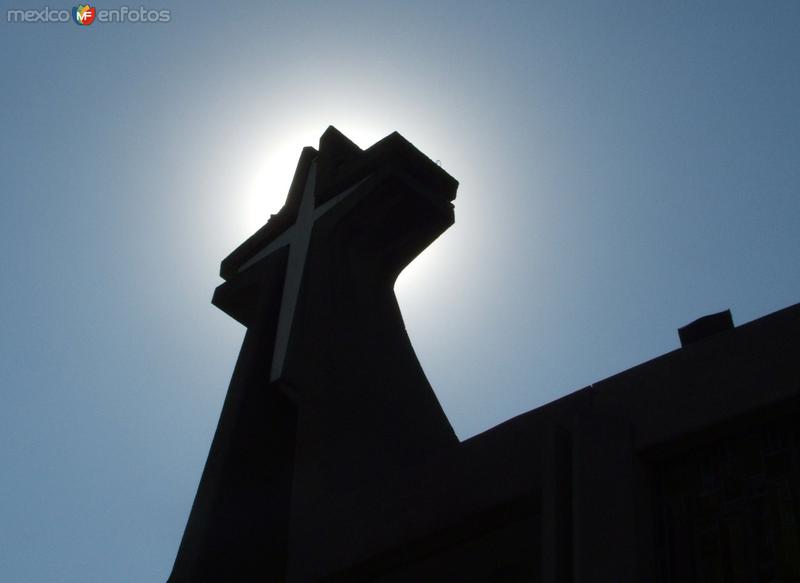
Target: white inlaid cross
297,237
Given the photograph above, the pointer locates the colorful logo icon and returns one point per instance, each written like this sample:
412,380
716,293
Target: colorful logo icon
84,14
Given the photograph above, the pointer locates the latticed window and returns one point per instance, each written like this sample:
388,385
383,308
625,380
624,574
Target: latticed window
728,511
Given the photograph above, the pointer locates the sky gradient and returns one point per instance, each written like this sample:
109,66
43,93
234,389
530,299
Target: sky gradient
623,170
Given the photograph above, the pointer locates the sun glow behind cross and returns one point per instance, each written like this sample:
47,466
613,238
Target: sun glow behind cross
270,168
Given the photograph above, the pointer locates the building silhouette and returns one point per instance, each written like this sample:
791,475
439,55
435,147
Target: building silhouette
333,460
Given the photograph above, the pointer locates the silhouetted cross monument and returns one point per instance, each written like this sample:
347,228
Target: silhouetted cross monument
327,394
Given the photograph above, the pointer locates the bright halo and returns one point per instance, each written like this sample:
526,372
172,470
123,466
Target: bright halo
272,167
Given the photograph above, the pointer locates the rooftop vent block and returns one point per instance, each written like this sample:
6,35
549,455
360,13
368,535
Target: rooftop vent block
705,327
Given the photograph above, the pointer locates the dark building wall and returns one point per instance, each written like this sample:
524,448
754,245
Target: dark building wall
684,468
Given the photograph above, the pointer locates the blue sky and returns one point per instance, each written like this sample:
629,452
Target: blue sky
624,169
